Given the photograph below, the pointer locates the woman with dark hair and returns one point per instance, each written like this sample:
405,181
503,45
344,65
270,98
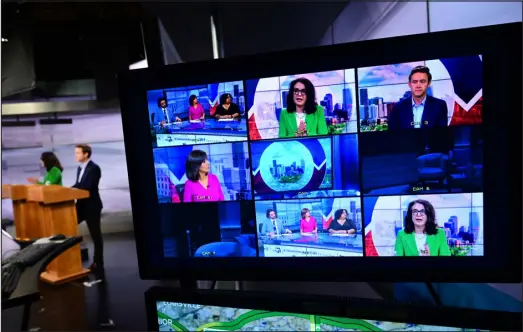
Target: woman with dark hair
227,109
196,111
303,116
421,236
307,223
53,169
201,186
340,224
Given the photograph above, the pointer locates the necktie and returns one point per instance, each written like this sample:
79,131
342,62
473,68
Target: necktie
78,174
274,226
166,116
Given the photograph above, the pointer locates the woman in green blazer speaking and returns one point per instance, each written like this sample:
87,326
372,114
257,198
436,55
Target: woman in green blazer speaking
421,236
53,167
303,116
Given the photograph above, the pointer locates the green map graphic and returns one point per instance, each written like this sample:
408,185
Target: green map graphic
211,318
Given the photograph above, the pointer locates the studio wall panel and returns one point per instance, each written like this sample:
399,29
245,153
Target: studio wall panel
404,18
450,15
373,20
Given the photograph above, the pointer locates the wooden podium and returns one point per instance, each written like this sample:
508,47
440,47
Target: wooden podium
43,211
27,223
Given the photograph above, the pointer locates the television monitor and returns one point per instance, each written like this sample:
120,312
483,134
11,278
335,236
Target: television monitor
218,310
192,114
452,90
345,158
333,92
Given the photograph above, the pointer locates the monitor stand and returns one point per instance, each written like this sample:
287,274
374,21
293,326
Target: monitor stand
189,284
352,289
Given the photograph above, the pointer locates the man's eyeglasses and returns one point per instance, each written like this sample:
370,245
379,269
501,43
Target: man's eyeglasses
299,92
420,212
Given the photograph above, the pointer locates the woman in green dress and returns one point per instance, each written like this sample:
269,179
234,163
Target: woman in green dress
54,170
303,116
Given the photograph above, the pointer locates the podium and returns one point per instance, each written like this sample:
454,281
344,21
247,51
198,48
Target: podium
27,223
44,211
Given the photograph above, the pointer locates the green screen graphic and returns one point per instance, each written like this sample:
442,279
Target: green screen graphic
174,316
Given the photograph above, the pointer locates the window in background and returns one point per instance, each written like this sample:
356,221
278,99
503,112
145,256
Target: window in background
462,15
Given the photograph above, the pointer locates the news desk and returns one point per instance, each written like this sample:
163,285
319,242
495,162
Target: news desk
319,245
236,129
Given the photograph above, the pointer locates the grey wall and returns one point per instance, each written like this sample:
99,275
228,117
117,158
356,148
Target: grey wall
245,27
372,20
256,27
189,27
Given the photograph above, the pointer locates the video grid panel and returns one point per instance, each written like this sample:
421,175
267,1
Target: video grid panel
322,170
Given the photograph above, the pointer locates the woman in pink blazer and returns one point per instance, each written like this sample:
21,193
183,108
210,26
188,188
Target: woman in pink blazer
196,111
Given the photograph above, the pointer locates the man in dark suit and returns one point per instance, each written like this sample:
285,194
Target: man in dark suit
90,209
422,110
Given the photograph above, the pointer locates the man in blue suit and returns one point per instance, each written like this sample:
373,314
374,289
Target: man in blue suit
422,110
163,114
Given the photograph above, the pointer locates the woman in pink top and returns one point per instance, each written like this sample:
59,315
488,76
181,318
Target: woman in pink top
308,224
201,186
196,111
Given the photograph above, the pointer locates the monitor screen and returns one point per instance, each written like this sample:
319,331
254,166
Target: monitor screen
176,316
440,92
195,114
421,183
373,161
228,310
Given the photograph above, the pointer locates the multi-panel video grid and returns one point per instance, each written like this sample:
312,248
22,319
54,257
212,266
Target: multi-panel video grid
376,161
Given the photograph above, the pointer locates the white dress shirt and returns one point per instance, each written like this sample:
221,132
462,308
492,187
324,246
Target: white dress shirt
82,170
166,113
275,227
417,111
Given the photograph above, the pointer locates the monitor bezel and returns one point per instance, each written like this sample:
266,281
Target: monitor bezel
500,46
359,308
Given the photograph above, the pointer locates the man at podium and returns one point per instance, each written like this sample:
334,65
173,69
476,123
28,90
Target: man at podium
90,209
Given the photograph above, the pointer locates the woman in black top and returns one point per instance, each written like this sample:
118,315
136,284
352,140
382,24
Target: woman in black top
227,109
340,224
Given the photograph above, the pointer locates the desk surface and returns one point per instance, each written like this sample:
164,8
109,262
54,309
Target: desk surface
321,240
235,127
27,289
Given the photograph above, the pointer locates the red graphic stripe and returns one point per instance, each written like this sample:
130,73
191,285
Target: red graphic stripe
254,134
461,117
370,248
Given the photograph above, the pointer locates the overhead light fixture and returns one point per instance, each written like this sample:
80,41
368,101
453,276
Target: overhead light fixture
4,40
139,65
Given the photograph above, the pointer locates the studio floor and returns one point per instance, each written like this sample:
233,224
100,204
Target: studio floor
116,304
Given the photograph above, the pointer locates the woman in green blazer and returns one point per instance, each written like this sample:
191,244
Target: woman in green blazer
302,117
53,167
421,236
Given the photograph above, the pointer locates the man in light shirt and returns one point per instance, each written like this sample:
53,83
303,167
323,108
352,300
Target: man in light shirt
273,226
422,110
